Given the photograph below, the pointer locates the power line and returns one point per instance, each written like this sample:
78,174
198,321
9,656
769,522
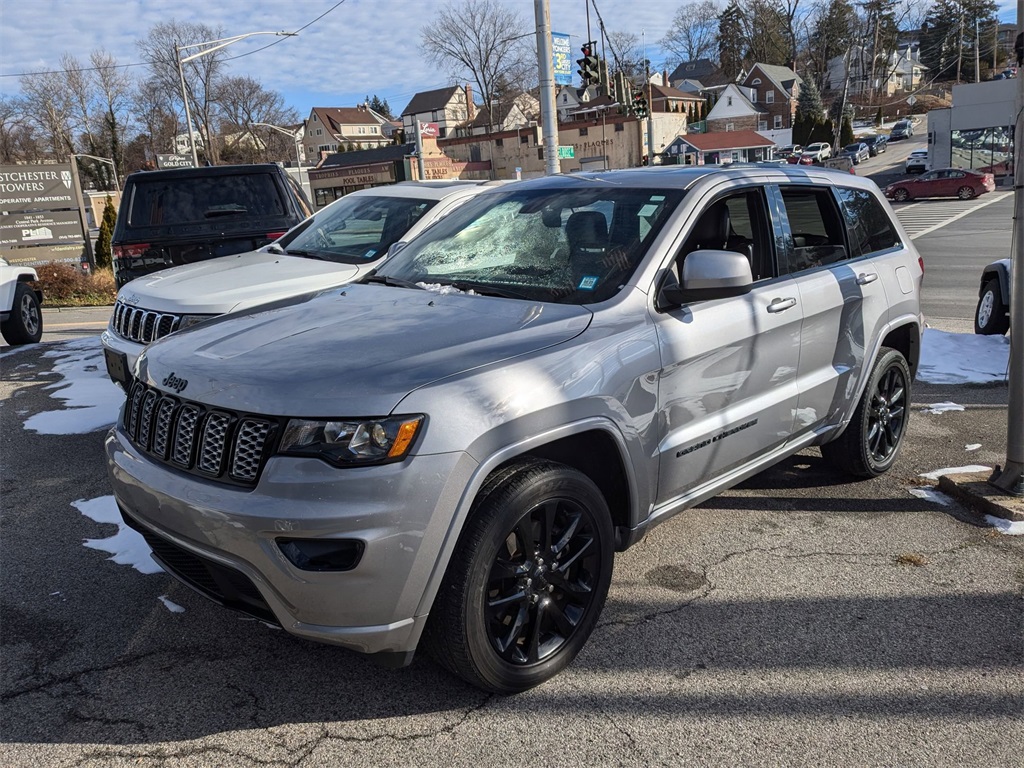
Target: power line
281,40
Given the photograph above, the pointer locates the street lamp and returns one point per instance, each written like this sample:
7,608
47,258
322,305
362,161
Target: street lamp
295,138
117,187
216,46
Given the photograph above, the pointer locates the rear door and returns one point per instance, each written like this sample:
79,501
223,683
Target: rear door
727,390
841,294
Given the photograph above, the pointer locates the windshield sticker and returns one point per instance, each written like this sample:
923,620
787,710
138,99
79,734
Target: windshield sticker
648,210
587,283
370,253
657,198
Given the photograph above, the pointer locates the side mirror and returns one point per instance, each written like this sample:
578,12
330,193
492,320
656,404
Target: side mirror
396,247
707,275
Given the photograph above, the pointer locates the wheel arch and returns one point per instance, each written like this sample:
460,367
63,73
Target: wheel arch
594,446
998,271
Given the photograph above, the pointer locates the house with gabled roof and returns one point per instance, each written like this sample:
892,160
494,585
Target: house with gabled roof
333,129
505,115
776,89
447,107
704,71
734,111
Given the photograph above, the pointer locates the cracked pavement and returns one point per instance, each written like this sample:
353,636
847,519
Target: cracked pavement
797,619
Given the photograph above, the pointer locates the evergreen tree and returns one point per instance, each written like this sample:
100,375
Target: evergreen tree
808,103
730,33
103,251
947,37
380,106
846,132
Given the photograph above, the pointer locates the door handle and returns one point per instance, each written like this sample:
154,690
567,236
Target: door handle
866,277
781,305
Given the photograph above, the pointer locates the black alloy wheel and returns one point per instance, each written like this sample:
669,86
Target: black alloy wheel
528,579
870,443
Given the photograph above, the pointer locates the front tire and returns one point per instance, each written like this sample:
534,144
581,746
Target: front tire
25,324
527,581
869,445
965,192
991,317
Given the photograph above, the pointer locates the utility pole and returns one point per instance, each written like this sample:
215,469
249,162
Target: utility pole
960,49
842,104
546,70
1010,477
977,52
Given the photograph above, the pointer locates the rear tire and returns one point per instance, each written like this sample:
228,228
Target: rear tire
25,324
965,192
869,445
991,317
900,195
527,581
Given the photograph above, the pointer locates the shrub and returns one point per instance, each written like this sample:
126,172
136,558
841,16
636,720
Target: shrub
65,286
103,254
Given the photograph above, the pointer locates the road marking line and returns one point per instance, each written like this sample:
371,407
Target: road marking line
993,199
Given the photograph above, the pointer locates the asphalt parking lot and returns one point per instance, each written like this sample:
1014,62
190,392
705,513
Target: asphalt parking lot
798,619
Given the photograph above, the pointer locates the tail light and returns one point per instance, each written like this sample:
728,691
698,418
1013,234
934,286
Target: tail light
274,235
128,251
920,263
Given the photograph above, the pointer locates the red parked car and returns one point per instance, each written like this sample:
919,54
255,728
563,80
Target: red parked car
944,182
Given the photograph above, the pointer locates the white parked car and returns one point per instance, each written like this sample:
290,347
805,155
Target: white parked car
917,161
819,151
21,321
340,243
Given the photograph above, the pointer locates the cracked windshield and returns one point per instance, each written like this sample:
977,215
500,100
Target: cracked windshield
357,229
570,246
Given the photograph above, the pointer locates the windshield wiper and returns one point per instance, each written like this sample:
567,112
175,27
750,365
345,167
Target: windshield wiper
305,254
485,289
394,282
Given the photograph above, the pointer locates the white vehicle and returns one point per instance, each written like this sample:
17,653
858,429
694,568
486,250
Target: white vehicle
917,161
21,321
819,151
336,245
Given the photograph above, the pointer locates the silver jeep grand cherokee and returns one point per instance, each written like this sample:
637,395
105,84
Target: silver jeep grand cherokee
454,449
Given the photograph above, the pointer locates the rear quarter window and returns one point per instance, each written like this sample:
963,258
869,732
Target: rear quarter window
204,199
870,227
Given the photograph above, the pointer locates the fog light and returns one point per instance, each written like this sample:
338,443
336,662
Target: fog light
322,554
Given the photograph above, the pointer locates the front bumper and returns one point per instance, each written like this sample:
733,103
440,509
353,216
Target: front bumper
401,512
121,346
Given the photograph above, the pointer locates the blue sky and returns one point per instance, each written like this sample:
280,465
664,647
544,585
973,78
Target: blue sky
361,48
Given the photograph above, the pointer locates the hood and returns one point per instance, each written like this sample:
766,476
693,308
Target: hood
231,283
351,352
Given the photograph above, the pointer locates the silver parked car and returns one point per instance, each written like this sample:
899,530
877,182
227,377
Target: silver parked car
452,450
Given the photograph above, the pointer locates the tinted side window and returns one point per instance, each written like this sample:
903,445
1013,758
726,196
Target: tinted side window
739,223
870,227
816,232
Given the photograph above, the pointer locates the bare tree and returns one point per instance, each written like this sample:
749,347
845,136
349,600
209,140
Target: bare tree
694,32
627,56
18,137
201,75
245,102
157,122
113,86
482,39
46,102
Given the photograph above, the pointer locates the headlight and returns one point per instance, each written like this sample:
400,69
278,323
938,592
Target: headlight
346,443
187,321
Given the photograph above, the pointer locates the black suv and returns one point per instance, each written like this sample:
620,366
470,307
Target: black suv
190,214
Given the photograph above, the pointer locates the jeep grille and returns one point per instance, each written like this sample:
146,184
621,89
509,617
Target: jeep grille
142,325
210,442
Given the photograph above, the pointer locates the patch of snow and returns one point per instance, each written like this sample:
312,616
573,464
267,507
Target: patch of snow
970,469
929,494
126,547
91,400
963,358
1009,527
972,446
170,605
942,407
444,290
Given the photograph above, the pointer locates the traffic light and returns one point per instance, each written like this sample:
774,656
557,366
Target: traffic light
640,106
589,70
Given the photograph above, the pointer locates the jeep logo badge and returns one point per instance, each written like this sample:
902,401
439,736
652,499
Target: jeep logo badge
173,382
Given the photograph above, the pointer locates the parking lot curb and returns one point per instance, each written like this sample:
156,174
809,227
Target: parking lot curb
974,491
